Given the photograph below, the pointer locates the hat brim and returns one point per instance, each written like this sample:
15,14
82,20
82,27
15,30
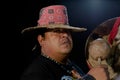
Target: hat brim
42,28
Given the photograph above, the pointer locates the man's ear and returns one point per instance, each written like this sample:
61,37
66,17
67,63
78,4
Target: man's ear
40,39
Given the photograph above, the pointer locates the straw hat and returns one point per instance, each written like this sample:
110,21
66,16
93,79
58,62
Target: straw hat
51,17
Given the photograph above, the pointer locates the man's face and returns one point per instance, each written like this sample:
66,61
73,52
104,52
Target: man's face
57,41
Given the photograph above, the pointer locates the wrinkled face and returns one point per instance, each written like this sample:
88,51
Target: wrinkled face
56,41
99,48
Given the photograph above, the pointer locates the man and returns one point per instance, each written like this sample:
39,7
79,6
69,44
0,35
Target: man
54,38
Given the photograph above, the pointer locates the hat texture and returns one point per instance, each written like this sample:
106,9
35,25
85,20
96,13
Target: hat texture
51,17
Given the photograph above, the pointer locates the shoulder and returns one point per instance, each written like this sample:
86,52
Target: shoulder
37,70
39,64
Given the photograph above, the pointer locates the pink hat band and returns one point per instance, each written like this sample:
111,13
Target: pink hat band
55,14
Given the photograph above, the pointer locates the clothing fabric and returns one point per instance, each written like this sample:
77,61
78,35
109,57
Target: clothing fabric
43,68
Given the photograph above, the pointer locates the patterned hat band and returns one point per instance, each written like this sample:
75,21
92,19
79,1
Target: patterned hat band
53,15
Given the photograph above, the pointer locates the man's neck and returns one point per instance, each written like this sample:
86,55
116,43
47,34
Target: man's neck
62,59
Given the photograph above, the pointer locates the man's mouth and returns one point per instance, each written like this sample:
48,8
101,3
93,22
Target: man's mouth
66,42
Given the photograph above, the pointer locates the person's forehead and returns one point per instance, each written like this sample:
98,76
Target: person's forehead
98,41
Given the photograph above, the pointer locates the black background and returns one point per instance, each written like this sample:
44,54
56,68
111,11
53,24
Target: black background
26,13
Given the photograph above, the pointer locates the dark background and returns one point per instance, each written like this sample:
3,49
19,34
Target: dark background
82,13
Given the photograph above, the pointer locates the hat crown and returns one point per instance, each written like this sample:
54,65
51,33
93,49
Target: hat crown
55,14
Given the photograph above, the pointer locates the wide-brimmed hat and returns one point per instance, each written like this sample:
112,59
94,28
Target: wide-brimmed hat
52,17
